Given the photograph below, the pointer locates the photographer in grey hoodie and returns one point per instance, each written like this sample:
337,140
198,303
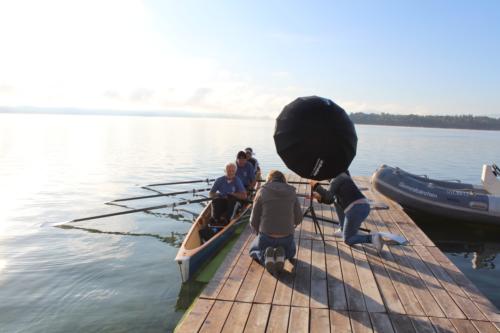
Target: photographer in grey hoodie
275,214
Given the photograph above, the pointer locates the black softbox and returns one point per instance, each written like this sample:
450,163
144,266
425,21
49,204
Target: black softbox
315,138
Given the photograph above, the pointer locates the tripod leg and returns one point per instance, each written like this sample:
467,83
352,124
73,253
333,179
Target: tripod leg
316,224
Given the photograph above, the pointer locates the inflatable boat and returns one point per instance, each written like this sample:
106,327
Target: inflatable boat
449,199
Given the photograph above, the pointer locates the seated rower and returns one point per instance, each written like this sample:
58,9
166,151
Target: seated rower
253,161
245,171
226,191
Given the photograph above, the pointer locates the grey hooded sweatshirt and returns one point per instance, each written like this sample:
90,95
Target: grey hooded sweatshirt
276,209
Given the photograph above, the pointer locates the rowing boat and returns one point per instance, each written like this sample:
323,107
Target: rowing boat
194,253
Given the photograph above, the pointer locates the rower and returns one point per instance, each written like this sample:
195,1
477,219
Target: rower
245,171
226,192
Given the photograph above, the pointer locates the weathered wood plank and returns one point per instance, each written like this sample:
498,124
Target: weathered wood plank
422,324
360,322
485,305
216,317
429,304
196,316
463,326
371,293
447,304
258,318
299,320
320,320
353,291
381,323
340,321
484,327
213,288
442,325
302,283
389,294
336,292
401,323
267,286
284,286
278,320
237,318
250,283
465,304
319,296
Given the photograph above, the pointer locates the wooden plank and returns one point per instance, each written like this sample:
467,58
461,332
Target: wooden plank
284,286
484,327
250,283
299,320
463,326
360,322
216,317
257,320
265,291
320,320
339,321
196,316
429,304
465,304
389,294
336,291
302,283
353,291
236,277
422,324
381,323
447,304
319,296
442,325
401,283
401,323
373,299
237,318
278,320
485,305
213,288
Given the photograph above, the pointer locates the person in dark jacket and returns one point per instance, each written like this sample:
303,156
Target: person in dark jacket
275,214
351,206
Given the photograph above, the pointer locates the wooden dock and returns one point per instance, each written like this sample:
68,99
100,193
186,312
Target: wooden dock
337,288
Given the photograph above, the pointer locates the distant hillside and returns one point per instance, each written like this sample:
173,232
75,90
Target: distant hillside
463,121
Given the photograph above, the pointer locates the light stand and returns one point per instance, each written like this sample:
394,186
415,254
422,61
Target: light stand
310,210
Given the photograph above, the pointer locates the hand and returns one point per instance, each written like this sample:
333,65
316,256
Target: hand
313,183
315,195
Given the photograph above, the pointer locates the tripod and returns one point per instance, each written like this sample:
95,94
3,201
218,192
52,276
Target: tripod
310,210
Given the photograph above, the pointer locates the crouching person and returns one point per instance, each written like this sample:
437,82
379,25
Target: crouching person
275,214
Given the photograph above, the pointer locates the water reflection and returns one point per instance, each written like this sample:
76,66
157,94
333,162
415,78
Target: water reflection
479,244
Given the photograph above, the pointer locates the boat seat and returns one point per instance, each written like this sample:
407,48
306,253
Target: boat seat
490,181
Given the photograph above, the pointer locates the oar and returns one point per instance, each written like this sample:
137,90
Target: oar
184,182
174,204
161,195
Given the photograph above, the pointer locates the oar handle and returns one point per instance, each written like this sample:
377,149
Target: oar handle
184,182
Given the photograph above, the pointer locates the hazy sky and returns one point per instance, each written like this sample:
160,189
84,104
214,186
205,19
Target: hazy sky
253,57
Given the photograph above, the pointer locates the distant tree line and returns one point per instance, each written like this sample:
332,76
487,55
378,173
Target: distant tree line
413,120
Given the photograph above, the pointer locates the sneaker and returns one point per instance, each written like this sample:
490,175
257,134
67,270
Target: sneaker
269,261
377,241
338,232
279,256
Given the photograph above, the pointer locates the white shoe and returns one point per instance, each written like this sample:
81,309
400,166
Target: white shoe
377,241
338,233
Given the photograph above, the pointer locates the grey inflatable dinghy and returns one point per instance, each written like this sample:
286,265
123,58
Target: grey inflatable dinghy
450,199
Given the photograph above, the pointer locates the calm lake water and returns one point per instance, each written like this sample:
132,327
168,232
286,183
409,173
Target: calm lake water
119,275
